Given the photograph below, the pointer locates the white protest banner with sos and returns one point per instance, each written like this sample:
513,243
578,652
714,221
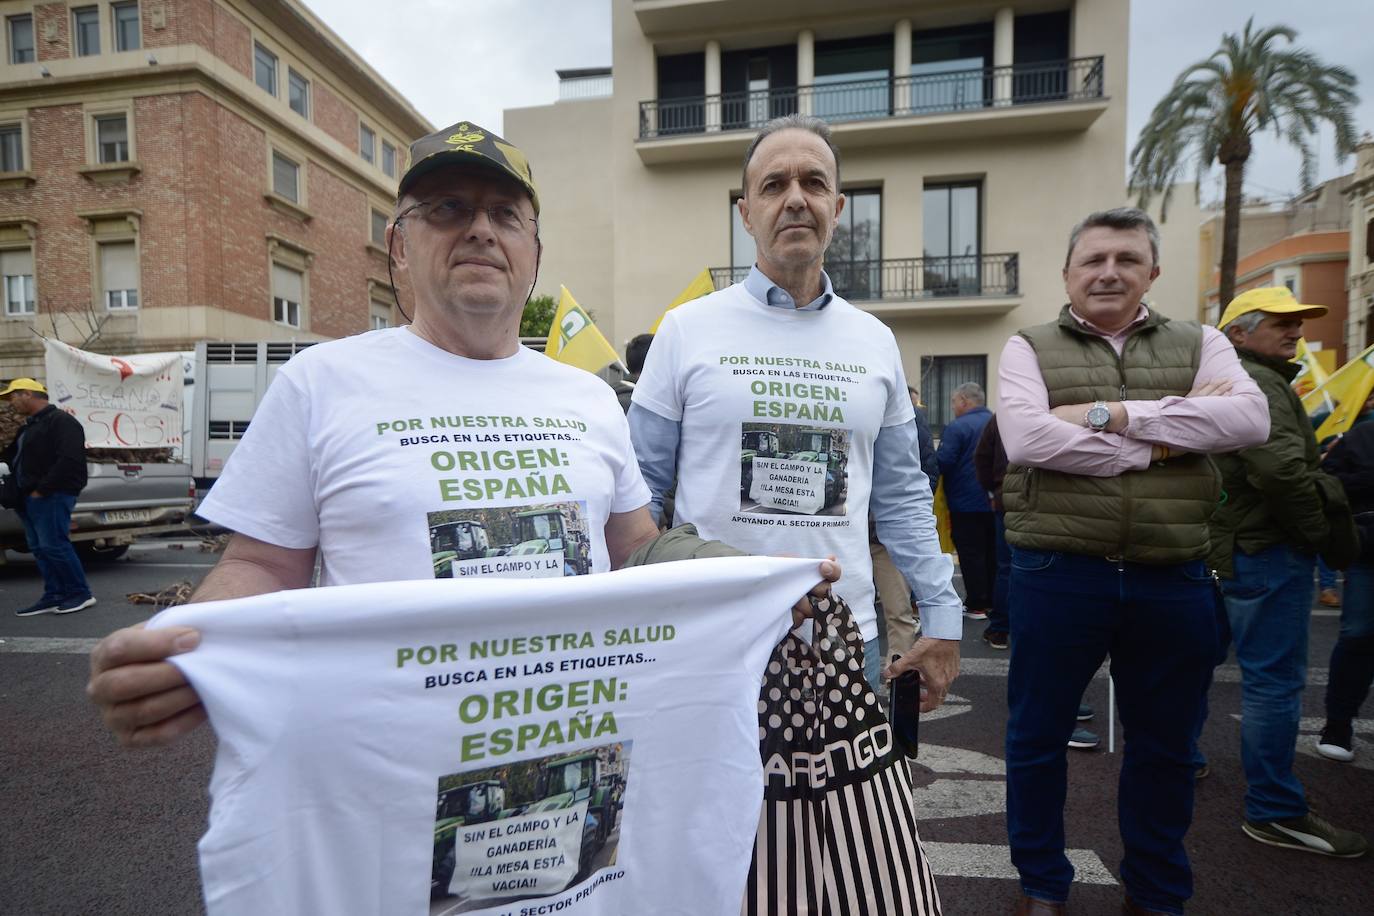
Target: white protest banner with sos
121,401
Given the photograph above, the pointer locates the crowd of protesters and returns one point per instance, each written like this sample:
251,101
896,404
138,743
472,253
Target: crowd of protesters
1148,490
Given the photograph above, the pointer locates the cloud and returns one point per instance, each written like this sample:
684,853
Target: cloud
471,59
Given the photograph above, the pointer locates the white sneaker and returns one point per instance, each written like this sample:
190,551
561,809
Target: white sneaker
73,605
1337,743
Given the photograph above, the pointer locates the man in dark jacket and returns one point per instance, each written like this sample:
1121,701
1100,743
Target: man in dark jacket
970,516
48,459
1280,512
1351,461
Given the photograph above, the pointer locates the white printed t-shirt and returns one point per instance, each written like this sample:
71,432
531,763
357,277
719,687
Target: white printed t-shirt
585,746
779,411
400,460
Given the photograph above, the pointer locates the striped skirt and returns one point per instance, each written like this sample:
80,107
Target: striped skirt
837,835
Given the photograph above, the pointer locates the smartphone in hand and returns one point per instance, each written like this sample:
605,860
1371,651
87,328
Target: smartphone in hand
905,698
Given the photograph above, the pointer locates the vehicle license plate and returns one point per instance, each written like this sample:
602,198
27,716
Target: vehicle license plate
126,515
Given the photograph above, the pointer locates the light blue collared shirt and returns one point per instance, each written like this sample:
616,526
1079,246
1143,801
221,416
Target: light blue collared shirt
900,502
766,291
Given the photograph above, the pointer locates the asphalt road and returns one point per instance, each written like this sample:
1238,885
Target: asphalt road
89,828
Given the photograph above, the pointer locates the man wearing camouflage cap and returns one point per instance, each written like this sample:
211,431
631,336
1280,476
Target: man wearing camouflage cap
372,453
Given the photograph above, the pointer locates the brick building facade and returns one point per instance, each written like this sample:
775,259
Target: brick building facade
183,170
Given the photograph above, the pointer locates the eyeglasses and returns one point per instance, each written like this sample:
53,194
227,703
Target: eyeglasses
452,213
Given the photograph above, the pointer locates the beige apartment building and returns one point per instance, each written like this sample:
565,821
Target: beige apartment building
183,170
973,136
1360,194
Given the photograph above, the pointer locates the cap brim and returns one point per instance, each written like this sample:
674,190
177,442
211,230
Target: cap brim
1297,308
455,159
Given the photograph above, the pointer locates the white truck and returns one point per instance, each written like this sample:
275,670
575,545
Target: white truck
231,379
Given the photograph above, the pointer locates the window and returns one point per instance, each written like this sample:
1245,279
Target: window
854,258
952,232
21,39
378,230
119,275
11,148
265,69
1290,277
367,143
940,375
388,159
948,68
866,62
86,31
379,316
128,34
742,249
288,292
16,281
286,178
298,93
112,138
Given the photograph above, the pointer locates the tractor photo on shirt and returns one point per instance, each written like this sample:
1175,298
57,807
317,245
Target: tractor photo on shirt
530,541
789,468
461,806
569,783
460,540
553,529
822,447
526,829
755,443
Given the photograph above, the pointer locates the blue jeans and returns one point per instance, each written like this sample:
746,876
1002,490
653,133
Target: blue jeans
1326,576
1159,626
47,523
1352,659
874,663
998,620
1269,604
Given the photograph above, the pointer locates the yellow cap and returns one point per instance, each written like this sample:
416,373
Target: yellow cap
1274,300
23,384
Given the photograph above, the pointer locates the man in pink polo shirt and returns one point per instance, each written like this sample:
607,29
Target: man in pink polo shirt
1108,415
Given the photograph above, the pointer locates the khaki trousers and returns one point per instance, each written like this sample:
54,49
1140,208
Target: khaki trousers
899,617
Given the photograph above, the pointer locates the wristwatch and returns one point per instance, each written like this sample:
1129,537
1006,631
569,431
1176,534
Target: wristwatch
1098,416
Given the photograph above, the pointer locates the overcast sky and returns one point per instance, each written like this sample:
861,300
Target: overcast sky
475,58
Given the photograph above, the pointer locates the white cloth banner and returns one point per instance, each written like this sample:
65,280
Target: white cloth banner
121,401
584,745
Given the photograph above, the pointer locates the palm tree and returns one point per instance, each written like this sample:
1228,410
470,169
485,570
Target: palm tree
1217,105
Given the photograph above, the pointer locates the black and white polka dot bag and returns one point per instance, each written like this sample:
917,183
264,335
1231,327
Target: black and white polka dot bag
837,835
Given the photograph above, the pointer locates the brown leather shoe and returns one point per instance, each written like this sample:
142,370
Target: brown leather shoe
1030,906
1130,908
1329,598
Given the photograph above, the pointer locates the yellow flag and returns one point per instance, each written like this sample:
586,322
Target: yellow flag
1338,402
1312,374
942,525
575,340
700,286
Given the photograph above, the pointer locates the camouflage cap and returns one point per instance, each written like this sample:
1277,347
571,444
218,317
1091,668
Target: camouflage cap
465,143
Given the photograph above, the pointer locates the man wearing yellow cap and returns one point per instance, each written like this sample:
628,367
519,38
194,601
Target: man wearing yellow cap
1279,514
48,459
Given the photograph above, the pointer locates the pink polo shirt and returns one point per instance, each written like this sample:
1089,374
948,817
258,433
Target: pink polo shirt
1035,437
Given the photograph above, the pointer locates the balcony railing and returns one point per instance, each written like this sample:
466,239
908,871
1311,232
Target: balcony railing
906,279
869,100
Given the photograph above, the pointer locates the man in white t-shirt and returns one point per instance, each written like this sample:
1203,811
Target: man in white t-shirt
812,392
442,449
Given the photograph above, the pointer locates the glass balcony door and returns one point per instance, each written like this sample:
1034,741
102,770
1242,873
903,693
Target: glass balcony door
952,239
